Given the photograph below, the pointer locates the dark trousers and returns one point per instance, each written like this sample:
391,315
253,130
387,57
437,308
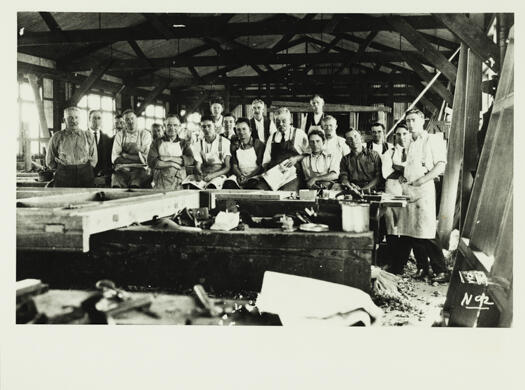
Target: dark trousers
425,250
74,176
398,251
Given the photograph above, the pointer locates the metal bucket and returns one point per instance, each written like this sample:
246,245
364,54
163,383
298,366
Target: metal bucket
355,217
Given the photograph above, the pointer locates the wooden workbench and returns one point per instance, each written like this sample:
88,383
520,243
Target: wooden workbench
222,261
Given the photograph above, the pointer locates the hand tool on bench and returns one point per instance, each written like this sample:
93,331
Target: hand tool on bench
206,302
110,301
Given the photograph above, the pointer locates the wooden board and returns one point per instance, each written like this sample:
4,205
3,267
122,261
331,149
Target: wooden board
487,237
66,221
221,261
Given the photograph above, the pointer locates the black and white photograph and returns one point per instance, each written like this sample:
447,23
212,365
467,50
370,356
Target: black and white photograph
265,169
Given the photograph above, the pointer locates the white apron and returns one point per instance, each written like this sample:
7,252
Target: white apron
169,178
247,159
418,219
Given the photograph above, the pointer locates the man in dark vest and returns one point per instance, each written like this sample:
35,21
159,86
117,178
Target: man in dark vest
314,118
262,127
104,144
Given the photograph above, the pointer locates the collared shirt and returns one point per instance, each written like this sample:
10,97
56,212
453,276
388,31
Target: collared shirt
255,143
320,164
142,138
360,168
337,144
424,153
259,126
211,153
300,143
71,147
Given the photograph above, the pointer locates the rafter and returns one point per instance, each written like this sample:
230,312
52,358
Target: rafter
420,43
470,34
93,77
154,94
199,29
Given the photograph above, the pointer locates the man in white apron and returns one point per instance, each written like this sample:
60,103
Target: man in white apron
166,157
320,168
212,162
129,155
247,155
393,163
426,160
334,144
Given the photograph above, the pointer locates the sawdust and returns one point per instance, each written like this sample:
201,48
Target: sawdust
421,305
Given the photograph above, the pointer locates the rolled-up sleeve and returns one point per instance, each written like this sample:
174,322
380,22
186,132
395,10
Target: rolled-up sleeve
117,147
145,144
386,164
343,168
335,161
51,152
301,142
267,157
438,148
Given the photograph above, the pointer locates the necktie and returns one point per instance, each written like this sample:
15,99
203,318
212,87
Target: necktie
96,137
404,155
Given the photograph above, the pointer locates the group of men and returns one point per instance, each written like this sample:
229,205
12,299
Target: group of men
229,152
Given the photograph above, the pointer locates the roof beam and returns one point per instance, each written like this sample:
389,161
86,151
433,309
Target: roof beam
88,83
287,37
420,43
150,98
24,67
470,34
426,76
256,57
200,29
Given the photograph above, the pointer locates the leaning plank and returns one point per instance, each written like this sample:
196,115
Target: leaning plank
40,227
456,144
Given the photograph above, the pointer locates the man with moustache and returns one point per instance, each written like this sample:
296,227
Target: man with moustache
72,152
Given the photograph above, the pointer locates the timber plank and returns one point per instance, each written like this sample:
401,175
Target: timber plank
455,152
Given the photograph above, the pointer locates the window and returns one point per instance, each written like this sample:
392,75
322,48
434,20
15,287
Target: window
154,113
93,101
29,121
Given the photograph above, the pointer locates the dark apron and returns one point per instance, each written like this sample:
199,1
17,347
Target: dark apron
74,175
282,151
